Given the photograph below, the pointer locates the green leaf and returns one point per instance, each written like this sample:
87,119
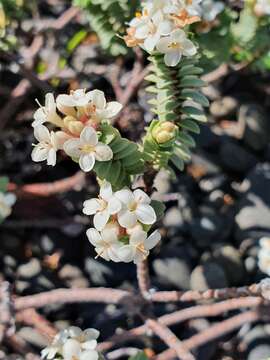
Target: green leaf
178,163
194,113
190,125
3,183
139,356
76,40
191,81
195,96
159,208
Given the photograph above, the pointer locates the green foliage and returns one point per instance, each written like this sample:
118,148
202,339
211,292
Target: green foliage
172,87
127,159
139,356
3,184
108,18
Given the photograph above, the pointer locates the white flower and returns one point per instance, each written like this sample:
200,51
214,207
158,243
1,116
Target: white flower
6,203
73,344
47,113
88,149
174,46
193,7
100,108
106,242
262,7
103,207
210,9
49,143
136,207
91,104
139,246
150,28
78,98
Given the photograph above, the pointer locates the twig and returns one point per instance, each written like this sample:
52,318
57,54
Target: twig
165,334
48,189
67,296
193,312
227,293
214,332
143,278
116,354
32,318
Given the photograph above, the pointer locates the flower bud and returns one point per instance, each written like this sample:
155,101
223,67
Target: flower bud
73,125
164,132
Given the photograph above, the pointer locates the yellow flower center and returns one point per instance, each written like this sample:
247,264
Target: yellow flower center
132,206
87,149
174,45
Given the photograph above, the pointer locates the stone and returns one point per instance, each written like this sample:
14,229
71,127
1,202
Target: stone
260,352
173,217
208,276
33,337
256,126
230,260
224,107
30,269
173,272
236,158
253,209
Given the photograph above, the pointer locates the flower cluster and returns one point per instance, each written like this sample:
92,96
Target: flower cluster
7,200
121,221
264,255
160,27
262,7
73,344
78,117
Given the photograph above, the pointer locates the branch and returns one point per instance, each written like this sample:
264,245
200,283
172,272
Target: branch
32,318
68,296
193,312
213,333
170,339
143,278
260,289
47,189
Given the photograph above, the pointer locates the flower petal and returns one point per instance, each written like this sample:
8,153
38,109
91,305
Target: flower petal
163,45
89,345
72,148
89,355
89,136
141,197
106,191
101,219
152,240
103,152
146,214
113,108
87,162
91,334
41,133
126,218
93,236
98,99
172,58
126,253
71,349
114,205
51,159
90,207
137,237
189,49
39,153
125,196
